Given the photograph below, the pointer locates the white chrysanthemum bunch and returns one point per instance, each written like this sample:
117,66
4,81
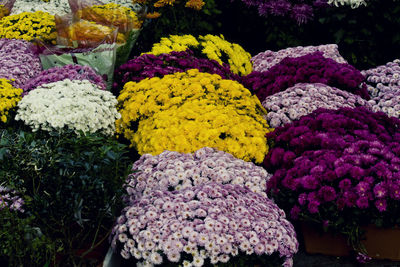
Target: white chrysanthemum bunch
59,7
74,105
352,3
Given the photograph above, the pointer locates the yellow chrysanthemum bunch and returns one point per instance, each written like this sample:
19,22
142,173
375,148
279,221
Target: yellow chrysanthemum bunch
211,46
199,123
144,102
29,26
9,97
111,15
87,32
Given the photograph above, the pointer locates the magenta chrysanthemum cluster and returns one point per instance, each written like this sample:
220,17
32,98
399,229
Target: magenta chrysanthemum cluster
205,223
175,171
149,66
266,60
10,199
303,98
299,10
71,72
337,160
18,61
311,68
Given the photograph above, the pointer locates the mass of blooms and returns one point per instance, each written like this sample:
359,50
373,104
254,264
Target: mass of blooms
53,7
172,171
71,72
352,3
383,77
303,98
18,62
199,123
337,163
9,97
111,14
208,223
299,10
189,110
10,199
87,34
265,60
149,66
210,46
155,5
29,26
74,105
311,68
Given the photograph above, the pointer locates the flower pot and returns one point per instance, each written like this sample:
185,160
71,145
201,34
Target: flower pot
380,243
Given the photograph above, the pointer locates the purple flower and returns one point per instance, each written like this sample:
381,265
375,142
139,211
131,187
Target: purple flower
313,206
327,193
294,213
149,66
381,205
309,182
345,184
362,202
323,70
72,72
380,190
302,199
302,13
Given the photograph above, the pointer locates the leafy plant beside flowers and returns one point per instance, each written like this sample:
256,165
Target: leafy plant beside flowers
311,68
149,66
208,46
338,168
71,187
29,26
303,98
69,105
171,171
205,225
9,98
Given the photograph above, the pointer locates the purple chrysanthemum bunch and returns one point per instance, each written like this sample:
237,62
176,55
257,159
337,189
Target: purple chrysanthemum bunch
303,98
175,171
387,101
299,10
265,60
208,223
338,167
18,61
149,66
10,199
382,78
71,72
311,68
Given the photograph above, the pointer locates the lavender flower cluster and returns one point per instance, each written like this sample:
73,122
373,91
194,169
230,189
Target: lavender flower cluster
382,78
299,10
205,223
70,71
336,160
10,199
311,68
387,101
175,171
18,61
303,98
149,66
266,60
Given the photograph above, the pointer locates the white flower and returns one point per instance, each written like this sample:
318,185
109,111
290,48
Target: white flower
198,261
75,105
352,3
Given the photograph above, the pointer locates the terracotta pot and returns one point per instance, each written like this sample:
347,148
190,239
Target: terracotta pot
380,243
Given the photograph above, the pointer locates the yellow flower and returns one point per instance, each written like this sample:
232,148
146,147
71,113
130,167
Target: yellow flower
28,26
212,47
195,4
111,15
189,110
161,3
9,97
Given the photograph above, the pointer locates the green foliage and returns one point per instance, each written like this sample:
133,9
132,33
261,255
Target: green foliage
73,184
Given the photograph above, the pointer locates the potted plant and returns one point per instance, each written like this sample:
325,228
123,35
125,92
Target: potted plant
340,170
